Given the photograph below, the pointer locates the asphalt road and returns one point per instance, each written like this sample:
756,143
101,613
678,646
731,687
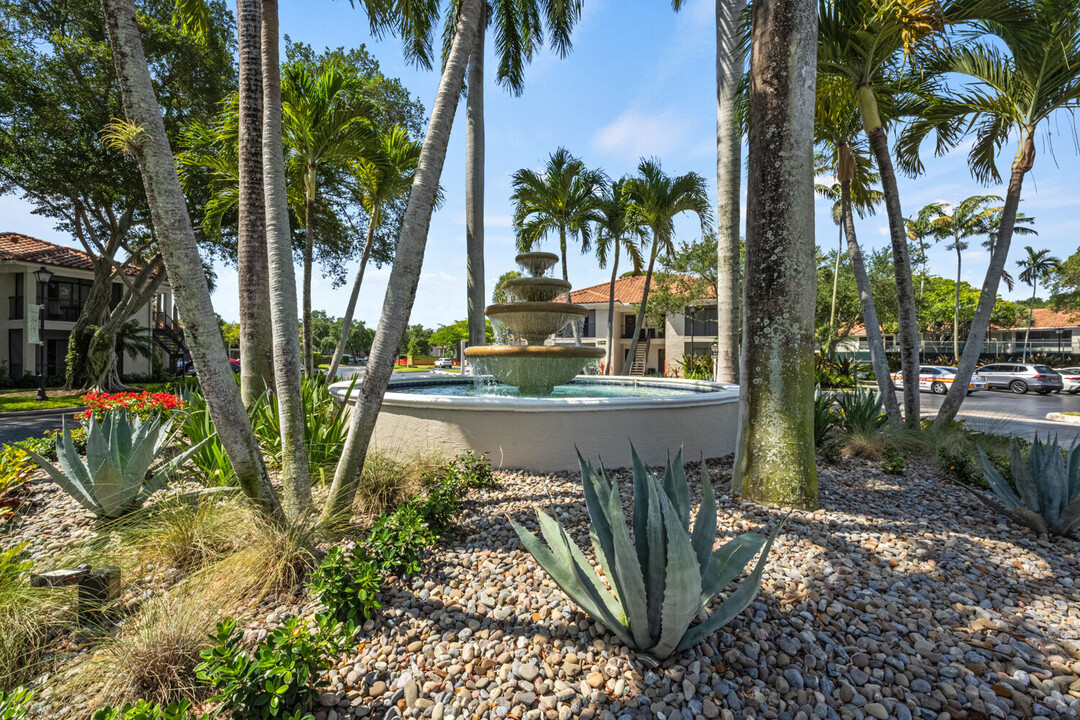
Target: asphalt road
1006,413
14,429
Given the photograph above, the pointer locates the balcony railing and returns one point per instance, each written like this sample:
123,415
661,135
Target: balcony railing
16,305
62,310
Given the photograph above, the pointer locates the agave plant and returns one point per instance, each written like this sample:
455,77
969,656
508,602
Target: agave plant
824,415
111,481
663,576
1048,485
860,410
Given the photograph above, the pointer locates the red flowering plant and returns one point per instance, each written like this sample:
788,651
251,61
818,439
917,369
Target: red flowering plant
141,404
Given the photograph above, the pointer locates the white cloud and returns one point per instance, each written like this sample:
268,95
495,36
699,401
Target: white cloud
635,134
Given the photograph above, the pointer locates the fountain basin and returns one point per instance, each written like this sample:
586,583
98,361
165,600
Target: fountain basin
541,289
596,415
535,369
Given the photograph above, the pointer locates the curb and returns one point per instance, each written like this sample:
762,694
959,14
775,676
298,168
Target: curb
1062,418
41,413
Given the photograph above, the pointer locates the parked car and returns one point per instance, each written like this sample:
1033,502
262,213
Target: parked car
444,362
938,378
187,367
1070,379
1021,377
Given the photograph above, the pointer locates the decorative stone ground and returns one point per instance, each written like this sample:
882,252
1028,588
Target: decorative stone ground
902,597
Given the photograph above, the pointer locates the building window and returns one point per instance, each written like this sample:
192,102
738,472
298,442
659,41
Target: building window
15,352
589,329
703,323
65,298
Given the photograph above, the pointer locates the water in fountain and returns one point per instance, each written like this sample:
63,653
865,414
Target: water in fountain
534,314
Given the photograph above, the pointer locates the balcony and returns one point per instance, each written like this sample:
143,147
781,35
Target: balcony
16,305
62,310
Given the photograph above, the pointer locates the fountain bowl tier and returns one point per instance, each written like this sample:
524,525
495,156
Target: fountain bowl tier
534,369
540,289
598,416
537,263
535,321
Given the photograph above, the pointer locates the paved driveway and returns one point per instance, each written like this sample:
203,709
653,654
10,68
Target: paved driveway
14,429
1005,413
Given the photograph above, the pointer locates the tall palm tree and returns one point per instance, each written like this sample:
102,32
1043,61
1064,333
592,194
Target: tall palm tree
616,232
920,229
991,228
843,151
252,271
408,260
655,200
774,455
731,40
561,199
176,240
325,125
956,224
1036,266
1014,85
869,43
377,183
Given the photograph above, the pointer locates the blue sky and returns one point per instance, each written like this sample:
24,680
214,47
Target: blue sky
640,82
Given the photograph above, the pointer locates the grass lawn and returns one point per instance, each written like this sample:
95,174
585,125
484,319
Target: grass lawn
24,400
405,369
1071,413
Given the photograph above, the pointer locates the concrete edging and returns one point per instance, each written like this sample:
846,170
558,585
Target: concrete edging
1063,418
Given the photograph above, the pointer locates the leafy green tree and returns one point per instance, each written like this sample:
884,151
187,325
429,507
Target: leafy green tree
415,341
498,293
1013,84
449,337
655,200
1035,266
1066,284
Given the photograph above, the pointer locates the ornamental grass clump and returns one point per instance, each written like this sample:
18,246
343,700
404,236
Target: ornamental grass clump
112,480
662,576
1047,494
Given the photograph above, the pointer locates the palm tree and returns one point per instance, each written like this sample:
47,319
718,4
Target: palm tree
655,200
777,380
730,71
325,125
616,232
1014,85
1035,267
405,274
377,183
868,43
562,198
842,150
957,224
176,239
991,227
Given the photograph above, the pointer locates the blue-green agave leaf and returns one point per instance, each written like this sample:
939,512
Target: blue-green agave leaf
704,534
727,563
683,582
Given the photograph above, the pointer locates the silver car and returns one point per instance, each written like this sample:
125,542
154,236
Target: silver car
1020,378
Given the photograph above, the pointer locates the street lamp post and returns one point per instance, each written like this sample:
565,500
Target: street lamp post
1058,331
691,311
43,276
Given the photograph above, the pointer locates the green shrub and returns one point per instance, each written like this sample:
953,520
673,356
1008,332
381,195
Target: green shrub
831,451
326,422
860,411
1047,495
398,540
824,416
16,464
893,463
663,576
112,480
960,466
474,469
347,586
282,676
215,468
144,710
16,704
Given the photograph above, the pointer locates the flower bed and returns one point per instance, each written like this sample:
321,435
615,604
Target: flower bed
141,404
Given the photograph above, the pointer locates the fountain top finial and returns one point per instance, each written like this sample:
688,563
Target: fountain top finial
537,263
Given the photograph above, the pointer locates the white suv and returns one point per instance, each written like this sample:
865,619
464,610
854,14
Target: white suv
444,363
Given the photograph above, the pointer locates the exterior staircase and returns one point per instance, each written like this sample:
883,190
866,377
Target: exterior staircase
169,336
637,366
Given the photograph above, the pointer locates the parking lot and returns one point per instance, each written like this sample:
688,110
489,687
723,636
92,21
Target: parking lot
1006,413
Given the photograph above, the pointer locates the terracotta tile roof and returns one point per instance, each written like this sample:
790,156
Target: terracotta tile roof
1041,318
628,291
23,248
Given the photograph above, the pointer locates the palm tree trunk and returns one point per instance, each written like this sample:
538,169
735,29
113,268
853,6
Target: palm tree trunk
256,347
988,295
309,249
774,456
172,227
611,311
729,73
576,324
836,279
639,325
401,288
1031,313
346,323
474,190
295,477
905,291
956,307
874,340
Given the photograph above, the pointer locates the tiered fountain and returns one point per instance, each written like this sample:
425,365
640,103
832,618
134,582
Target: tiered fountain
533,314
